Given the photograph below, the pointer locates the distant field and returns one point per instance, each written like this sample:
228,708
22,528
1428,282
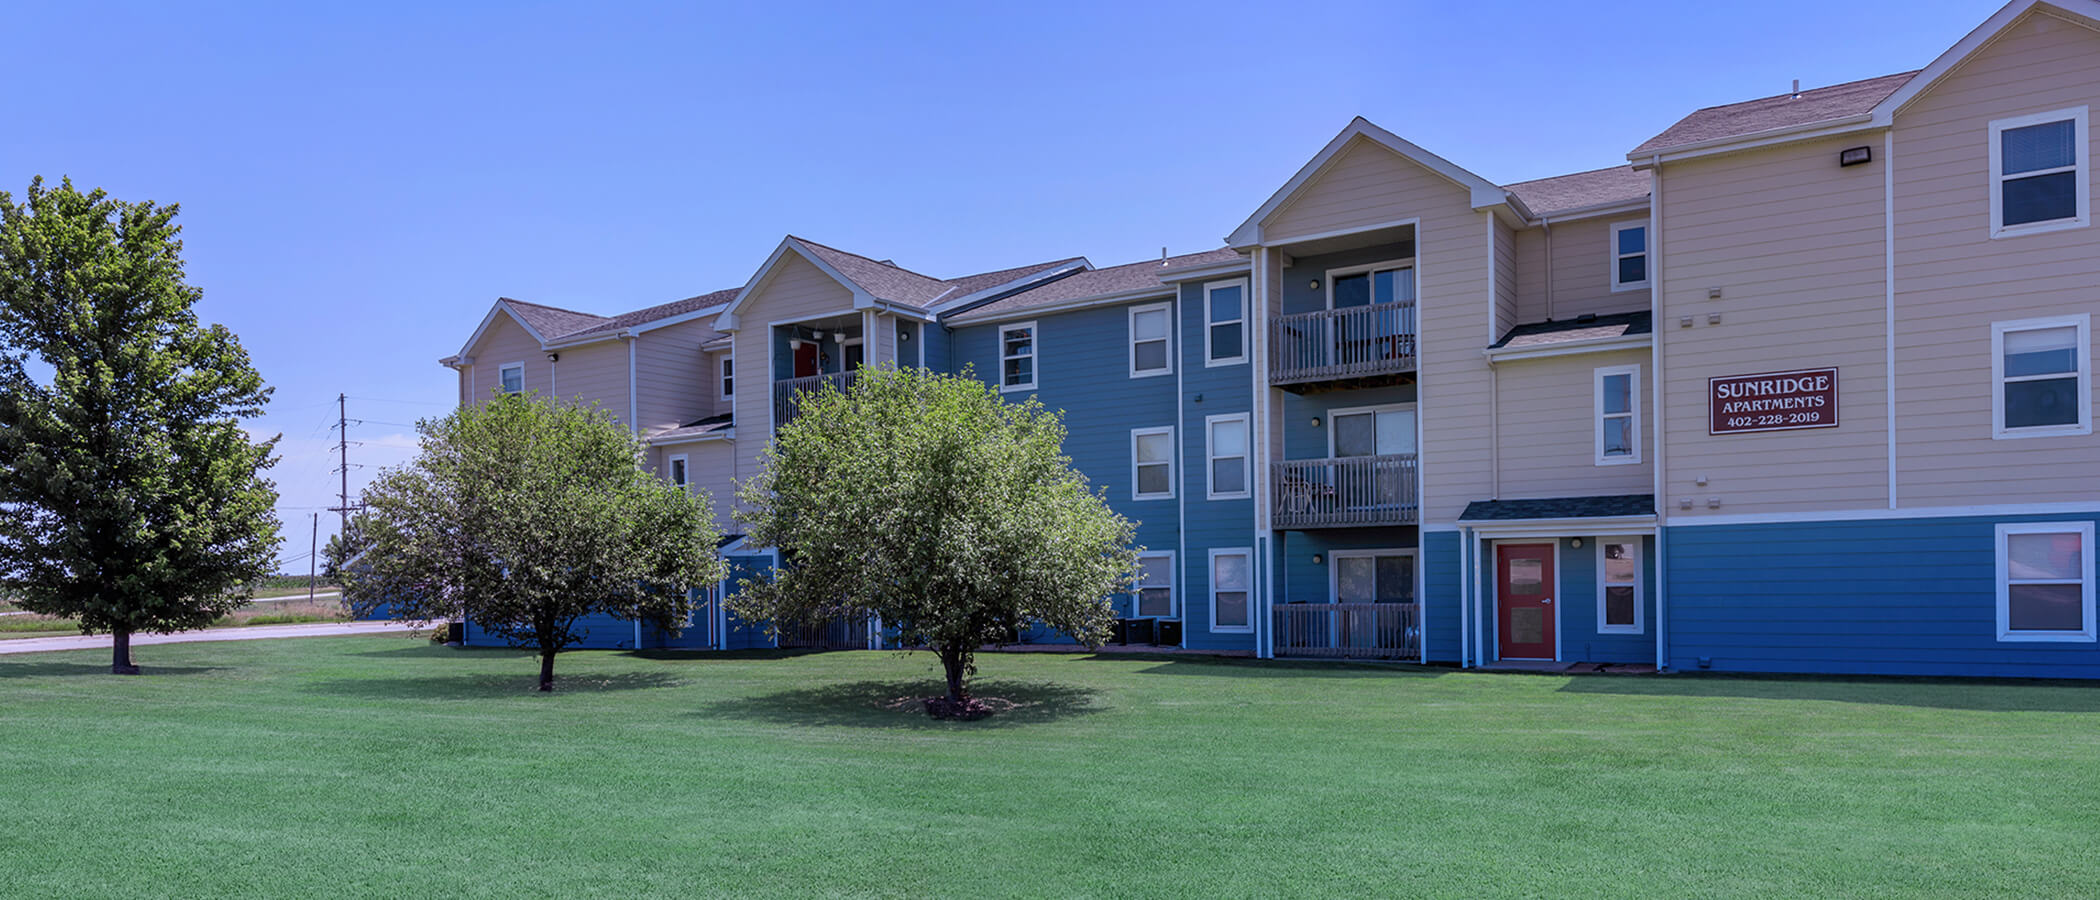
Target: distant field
387,767
284,613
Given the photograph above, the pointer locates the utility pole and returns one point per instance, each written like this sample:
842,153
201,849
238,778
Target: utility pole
313,550
342,449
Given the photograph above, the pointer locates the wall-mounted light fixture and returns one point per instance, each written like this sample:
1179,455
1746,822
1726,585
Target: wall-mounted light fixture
1319,559
1576,543
1315,284
553,357
1854,156
1316,421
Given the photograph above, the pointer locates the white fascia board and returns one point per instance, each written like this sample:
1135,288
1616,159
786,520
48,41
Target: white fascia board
1786,135
727,434
500,308
1568,348
1206,272
1158,293
1597,211
667,321
1484,193
1496,529
1050,274
728,319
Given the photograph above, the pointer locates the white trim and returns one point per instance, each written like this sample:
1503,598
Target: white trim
1494,622
1643,160
1246,300
1884,112
1533,529
1173,586
1632,414
1327,278
634,401
1210,460
681,318
1888,311
1253,579
2072,508
1051,273
1171,462
520,366
502,305
1613,256
1166,314
676,467
1568,348
1208,270
2084,530
727,379
817,317
726,434
1593,211
968,318
1483,192
1034,355
1640,612
728,319
2081,168
2082,323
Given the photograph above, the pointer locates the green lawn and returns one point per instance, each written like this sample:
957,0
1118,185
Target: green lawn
383,766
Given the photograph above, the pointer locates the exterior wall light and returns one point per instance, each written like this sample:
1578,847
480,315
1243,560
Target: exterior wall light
1316,421
1576,543
1854,156
1315,284
1319,559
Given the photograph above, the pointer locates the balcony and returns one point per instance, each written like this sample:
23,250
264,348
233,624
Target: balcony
1370,344
788,393
1351,492
1349,630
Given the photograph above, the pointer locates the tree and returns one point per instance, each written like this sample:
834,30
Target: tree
925,500
341,547
137,502
526,516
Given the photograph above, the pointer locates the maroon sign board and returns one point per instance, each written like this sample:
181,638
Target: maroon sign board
1772,401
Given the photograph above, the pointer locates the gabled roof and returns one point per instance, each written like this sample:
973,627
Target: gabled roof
656,313
1775,113
1580,328
2084,12
1603,507
1614,186
881,279
553,326
712,426
1484,192
1114,282
883,282
550,322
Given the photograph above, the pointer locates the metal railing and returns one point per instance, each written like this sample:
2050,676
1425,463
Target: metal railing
1342,343
1345,492
787,393
1349,630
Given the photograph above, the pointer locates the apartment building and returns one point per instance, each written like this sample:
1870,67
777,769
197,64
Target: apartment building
1803,385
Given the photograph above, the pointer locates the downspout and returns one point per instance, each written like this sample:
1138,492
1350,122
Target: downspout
634,425
1655,390
1181,497
1258,366
1888,278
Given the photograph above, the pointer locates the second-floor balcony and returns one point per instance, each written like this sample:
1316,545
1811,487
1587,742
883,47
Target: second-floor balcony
788,393
1356,342
1347,492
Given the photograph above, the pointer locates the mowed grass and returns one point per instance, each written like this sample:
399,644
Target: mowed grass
383,766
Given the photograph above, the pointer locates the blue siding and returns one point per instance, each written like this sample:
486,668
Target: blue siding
1580,641
1209,391
1298,293
1443,584
1896,597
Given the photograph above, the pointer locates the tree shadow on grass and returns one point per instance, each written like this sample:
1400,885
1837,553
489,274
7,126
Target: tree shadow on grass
1977,694
11,669
900,703
484,686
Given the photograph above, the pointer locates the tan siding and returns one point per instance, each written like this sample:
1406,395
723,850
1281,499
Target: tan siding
1953,280
1581,275
674,385
1530,252
1505,277
1365,185
795,290
506,342
1453,273
1547,411
594,374
710,466
1795,244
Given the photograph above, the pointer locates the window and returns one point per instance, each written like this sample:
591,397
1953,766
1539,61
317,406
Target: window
1618,415
2042,386
1225,446
1629,256
728,377
1017,357
2039,173
1232,589
1619,587
512,378
678,473
1224,323
1154,593
1149,344
1374,576
1152,463
2045,581
1387,282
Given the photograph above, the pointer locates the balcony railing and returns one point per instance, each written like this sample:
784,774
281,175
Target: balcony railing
1349,630
1346,492
1334,344
788,393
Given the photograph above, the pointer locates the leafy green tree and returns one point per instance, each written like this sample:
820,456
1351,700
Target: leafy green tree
135,500
340,548
925,500
526,516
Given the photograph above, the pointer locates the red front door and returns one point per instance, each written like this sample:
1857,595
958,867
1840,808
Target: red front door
1524,600
805,360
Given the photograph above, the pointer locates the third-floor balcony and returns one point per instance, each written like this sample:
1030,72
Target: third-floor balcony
1354,344
1346,492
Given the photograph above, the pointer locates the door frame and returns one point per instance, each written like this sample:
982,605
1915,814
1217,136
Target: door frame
1494,588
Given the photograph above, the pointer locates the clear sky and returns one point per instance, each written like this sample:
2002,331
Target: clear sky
360,181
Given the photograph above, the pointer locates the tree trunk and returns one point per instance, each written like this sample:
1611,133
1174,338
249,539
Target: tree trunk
955,660
546,669
120,652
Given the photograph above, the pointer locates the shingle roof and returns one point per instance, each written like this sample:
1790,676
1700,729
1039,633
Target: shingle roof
1580,328
1752,116
1560,508
1580,190
660,311
553,321
1121,279
970,284
556,324
699,428
885,280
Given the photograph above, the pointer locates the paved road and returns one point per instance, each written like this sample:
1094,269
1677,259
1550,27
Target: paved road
251,633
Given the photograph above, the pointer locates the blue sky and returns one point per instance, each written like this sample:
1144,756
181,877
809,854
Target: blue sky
360,181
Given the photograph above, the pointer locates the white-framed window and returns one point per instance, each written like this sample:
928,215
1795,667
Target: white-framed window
2041,173
511,377
728,377
1629,256
1225,323
1372,576
1152,463
1153,595
1225,447
2045,581
1151,340
1618,437
1619,605
2041,378
1392,281
1017,343
1232,589
676,469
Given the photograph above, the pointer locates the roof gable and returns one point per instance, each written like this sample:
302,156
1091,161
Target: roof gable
1483,192
2082,12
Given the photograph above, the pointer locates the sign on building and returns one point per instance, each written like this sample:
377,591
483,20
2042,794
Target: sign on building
1772,401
